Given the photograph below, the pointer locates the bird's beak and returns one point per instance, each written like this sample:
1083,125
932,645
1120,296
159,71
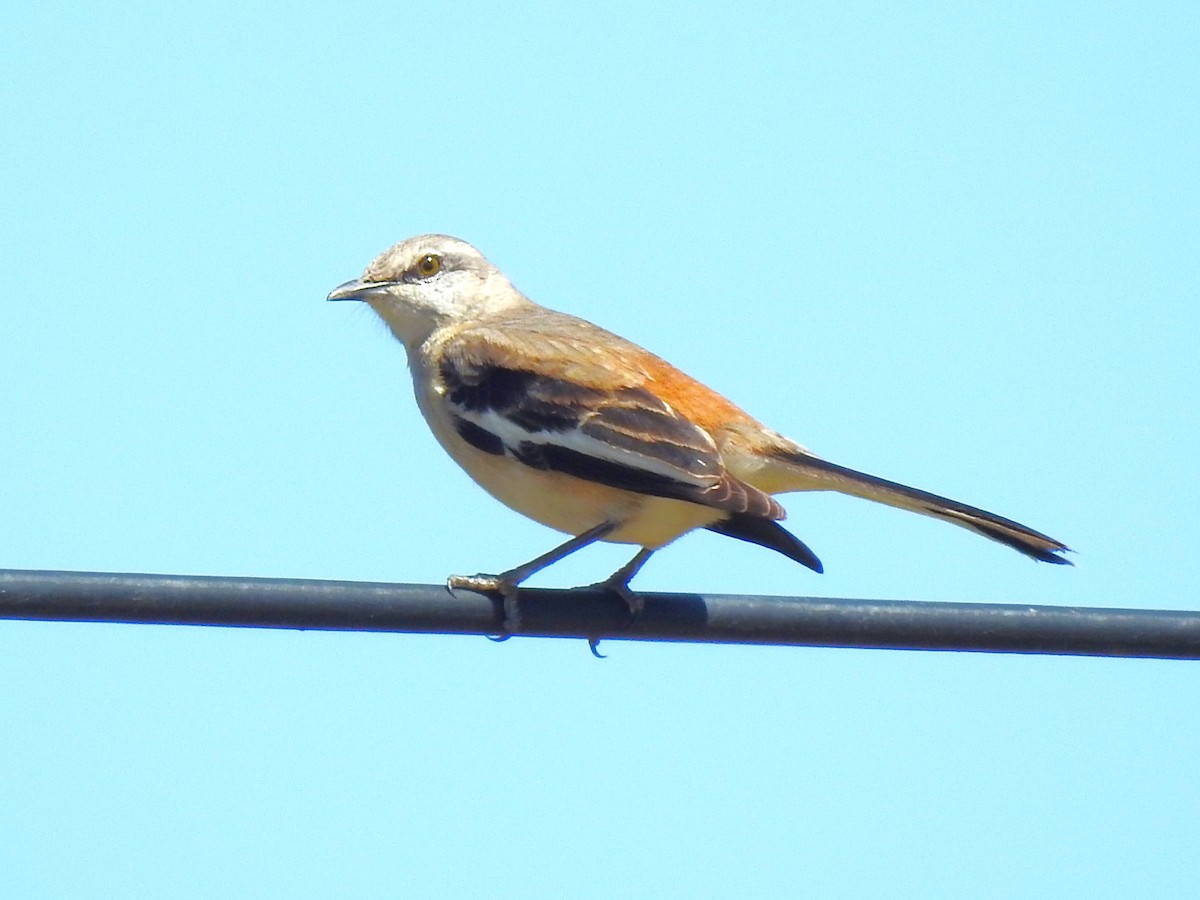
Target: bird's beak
359,290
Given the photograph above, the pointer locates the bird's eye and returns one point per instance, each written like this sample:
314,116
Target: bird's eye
429,265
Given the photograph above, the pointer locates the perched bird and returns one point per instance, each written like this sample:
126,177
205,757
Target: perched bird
588,433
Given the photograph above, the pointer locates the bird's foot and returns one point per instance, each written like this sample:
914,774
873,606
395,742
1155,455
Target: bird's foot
620,586
633,603
493,584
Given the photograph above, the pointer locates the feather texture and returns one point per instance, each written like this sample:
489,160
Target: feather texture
620,435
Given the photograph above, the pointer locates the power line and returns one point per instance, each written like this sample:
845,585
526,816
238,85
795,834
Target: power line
595,615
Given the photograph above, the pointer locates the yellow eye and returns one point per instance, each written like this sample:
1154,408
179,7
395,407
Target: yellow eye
429,265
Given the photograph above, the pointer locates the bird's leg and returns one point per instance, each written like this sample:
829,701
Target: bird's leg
505,584
618,582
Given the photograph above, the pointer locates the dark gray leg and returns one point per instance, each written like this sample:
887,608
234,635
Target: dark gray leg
505,584
618,582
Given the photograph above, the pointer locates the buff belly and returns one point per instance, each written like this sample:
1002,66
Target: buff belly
573,505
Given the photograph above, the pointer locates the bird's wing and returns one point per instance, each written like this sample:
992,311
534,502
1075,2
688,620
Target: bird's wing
555,400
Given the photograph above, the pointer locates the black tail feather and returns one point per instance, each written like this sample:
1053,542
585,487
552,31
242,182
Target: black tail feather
770,534
830,476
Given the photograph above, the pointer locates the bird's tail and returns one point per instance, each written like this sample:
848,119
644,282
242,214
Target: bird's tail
802,471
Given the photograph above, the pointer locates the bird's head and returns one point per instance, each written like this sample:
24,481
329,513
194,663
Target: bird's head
425,282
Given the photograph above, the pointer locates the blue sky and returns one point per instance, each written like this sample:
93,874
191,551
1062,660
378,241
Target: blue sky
952,244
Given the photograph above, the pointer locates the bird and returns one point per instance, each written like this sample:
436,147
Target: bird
592,435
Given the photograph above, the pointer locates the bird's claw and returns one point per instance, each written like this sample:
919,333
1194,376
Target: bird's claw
482,584
493,584
633,602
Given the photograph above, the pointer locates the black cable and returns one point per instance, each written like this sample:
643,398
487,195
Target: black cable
584,613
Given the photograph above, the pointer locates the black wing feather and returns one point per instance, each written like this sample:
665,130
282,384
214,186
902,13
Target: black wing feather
651,449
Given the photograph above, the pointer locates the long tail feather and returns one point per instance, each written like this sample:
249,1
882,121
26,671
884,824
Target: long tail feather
818,474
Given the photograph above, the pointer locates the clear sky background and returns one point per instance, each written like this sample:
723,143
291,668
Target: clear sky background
957,245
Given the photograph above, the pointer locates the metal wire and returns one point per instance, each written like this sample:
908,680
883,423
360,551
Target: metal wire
596,615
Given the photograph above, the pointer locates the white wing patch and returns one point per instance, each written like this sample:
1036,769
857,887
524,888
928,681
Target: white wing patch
516,439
